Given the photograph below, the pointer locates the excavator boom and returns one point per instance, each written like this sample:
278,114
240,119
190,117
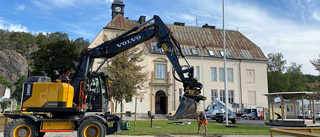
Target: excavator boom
171,47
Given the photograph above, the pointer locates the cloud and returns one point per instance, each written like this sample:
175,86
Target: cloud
20,7
273,32
109,1
80,32
7,25
41,5
17,27
316,15
73,3
296,41
65,3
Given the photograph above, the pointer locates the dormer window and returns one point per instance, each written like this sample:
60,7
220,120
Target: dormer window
211,52
155,48
193,51
221,53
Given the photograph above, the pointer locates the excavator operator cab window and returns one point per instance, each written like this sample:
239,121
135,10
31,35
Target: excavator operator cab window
105,94
95,88
98,95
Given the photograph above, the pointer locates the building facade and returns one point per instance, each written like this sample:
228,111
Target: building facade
4,92
203,46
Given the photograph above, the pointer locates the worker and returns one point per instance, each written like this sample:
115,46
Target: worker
267,115
202,119
278,116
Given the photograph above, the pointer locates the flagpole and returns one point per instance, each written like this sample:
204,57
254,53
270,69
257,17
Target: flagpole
224,66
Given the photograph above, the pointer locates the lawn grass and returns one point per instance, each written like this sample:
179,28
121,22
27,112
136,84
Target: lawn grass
143,128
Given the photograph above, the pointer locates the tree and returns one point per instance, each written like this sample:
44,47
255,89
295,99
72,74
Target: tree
4,105
81,44
52,37
316,63
19,86
297,79
314,86
276,62
126,75
312,78
277,81
4,81
41,38
60,55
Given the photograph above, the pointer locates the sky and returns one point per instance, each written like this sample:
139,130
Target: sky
290,27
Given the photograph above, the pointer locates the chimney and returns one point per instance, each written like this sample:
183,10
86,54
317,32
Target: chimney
179,23
142,19
208,26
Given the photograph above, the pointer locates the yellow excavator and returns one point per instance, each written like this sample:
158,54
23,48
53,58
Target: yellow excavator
79,101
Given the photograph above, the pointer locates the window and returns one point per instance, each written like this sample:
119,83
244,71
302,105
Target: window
194,51
231,96
213,74
251,97
95,85
221,53
211,53
156,49
214,95
230,74
180,94
222,96
198,73
160,71
221,74
186,75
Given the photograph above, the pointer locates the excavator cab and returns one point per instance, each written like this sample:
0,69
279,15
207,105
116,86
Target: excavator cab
98,93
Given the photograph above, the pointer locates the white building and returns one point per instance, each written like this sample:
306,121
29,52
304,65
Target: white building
4,92
246,65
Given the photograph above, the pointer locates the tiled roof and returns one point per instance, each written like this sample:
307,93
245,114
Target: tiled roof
194,40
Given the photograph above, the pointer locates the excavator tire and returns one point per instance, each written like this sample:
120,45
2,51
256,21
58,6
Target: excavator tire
91,127
21,127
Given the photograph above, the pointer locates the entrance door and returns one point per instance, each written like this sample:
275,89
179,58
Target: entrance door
161,101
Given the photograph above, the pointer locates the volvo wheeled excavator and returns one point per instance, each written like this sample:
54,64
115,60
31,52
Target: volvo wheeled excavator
79,101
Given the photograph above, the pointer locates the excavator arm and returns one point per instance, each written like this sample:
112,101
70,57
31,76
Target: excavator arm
133,37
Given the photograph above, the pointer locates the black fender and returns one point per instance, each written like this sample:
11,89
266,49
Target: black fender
102,119
22,115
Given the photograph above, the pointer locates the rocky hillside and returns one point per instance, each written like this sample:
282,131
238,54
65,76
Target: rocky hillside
12,65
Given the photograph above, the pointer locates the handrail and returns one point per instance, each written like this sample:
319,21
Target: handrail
298,132
83,98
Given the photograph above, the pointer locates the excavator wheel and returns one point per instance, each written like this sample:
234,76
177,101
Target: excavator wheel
91,127
21,127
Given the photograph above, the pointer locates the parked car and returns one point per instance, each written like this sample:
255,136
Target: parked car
253,113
